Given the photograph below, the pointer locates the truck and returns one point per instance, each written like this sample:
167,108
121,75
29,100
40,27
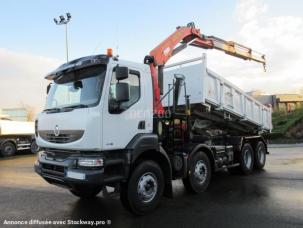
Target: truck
137,127
16,136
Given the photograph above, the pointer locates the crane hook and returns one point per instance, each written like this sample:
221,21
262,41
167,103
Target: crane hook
264,67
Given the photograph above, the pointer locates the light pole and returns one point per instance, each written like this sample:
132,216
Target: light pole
63,21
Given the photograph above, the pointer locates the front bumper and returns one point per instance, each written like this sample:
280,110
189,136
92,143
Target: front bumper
64,172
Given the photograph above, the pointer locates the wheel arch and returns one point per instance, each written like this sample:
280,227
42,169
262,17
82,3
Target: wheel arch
253,141
162,159
146,147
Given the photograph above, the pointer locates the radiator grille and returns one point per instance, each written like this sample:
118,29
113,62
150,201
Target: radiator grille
65,136
60,155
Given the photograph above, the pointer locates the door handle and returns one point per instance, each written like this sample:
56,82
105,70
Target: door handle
141,124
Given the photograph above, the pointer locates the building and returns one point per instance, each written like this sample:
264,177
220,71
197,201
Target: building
279,102
18,114
289,101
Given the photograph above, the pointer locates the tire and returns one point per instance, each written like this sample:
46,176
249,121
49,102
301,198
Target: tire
34,147
199,174
246,159
86,193
144,189
8,149
260,156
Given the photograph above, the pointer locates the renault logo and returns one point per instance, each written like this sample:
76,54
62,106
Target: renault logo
56,131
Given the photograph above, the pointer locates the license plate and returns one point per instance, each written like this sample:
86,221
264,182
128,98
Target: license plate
75,175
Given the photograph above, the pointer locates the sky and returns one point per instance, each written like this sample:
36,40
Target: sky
31,44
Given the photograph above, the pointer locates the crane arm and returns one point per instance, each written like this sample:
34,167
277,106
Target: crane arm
233,48
179,40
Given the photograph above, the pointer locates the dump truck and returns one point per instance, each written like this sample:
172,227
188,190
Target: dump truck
139,126
16,136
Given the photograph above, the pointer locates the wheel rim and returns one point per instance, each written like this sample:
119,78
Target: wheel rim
200,171
247,158
8,149
261,155
147,187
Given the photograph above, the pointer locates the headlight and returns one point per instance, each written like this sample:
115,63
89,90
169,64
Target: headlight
90,162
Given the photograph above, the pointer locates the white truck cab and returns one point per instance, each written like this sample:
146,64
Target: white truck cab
86,116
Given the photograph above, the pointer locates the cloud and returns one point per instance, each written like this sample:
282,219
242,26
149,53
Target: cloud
248,10
22,79
278,37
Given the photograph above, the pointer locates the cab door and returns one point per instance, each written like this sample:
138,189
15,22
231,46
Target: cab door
123,120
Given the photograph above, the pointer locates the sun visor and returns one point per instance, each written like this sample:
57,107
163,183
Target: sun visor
77,64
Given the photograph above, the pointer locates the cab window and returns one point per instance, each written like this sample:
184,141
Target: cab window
134,92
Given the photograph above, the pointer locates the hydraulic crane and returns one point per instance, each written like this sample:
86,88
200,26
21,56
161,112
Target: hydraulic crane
179,40
98,133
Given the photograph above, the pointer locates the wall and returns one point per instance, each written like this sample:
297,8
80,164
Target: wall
18,114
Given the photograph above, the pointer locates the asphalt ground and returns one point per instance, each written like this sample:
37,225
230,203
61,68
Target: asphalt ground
269,198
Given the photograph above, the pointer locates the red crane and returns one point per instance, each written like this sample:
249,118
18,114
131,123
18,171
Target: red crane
179,40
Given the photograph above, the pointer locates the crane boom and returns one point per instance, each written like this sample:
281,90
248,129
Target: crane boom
234,49
179,40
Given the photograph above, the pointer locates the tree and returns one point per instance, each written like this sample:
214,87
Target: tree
30,112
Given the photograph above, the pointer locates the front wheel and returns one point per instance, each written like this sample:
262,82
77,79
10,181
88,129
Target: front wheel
86,193
199,174
142,193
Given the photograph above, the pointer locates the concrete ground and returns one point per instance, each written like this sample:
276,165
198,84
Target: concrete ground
270,198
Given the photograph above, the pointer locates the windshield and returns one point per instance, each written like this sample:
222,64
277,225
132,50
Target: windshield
77,89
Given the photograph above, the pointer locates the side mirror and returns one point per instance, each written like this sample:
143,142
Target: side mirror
48,88
122,92
121,73
78,85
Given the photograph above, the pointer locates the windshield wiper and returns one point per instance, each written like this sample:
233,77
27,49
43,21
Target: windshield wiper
65,109
69,108
52,110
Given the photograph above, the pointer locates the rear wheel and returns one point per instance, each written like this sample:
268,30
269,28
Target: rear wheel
247,159
86,193
8,149
199,173
260,155
142,193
